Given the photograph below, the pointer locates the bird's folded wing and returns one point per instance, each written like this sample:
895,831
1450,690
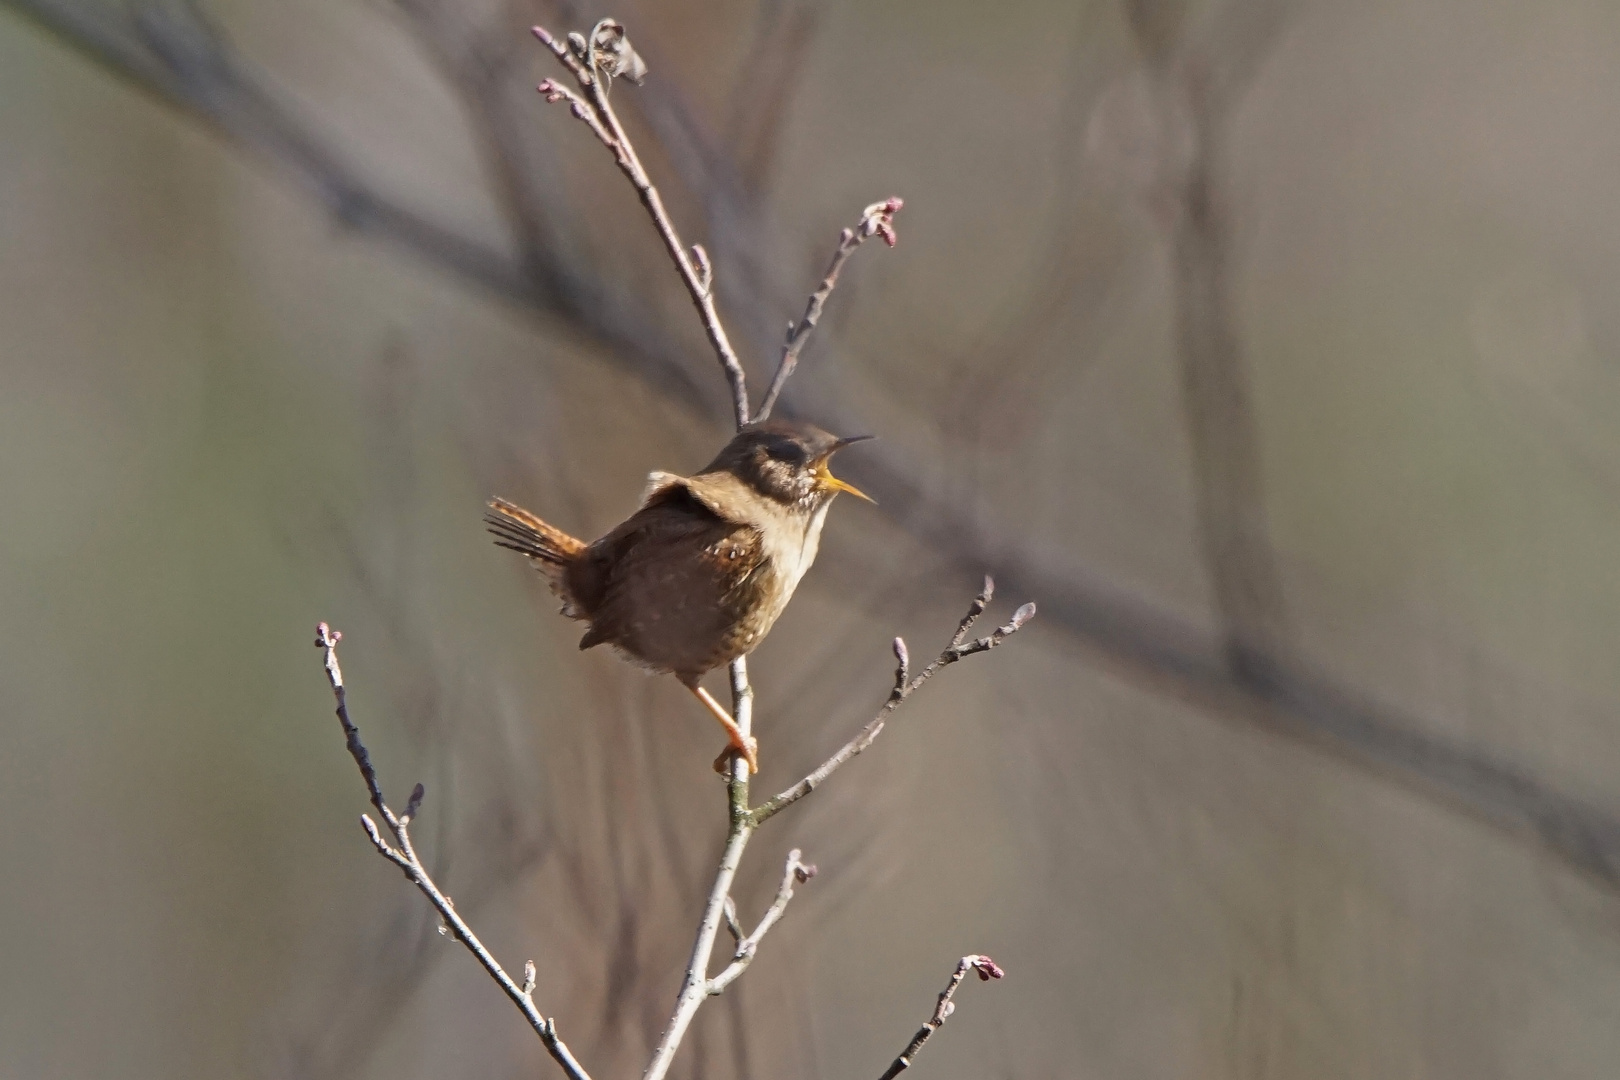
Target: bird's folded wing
723,494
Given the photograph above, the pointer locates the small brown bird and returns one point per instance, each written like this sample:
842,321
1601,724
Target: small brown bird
698,575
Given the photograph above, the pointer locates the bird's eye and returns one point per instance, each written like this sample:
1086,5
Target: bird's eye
785,450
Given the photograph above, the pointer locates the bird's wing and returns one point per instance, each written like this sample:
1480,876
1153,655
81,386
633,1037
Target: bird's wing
666,584
670,512
721,493
658,482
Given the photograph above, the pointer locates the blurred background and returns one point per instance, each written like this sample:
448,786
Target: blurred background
1269,346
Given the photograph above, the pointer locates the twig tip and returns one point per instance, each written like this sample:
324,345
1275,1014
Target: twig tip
413,804
986,968
878,220
373,835
1020,617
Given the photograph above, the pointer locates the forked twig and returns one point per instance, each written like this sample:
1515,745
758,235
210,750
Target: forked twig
719,907
595,62
904,686
697,986
404,856
794,872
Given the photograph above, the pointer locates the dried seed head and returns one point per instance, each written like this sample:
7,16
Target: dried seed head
613,55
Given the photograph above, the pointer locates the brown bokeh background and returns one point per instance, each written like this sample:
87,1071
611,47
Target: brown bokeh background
1270,347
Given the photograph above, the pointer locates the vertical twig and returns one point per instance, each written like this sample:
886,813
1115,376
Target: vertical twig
597,112
794,872
695,985
1229,488
585,57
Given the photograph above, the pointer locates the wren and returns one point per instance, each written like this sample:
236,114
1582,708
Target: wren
700,573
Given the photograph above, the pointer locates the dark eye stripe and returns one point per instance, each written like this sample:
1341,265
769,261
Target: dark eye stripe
785,450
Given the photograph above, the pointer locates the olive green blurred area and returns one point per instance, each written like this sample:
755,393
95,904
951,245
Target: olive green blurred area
227,412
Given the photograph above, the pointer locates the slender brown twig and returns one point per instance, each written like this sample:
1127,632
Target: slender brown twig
582,58
719,906
794,872
697,986
904,686
410,864
876,220
985,968
594,61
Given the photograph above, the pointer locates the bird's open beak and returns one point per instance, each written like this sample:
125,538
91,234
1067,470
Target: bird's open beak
830,482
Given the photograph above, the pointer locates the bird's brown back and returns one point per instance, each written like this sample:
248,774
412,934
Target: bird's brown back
675,587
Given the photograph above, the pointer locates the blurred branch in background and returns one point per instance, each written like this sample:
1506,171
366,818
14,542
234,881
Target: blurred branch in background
1219,411
171,52
783,33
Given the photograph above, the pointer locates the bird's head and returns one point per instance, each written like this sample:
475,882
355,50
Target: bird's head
786,460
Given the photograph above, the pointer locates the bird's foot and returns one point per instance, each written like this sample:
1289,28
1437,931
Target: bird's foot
746,745
750,754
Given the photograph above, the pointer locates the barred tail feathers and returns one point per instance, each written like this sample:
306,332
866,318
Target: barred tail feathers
518,530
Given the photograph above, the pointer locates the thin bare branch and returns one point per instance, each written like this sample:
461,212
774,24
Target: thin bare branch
405,857
876,220
794,872
974,610
555,92
584,58
172,53
904,687
1224,434
326,639
597,111
695,986
982,966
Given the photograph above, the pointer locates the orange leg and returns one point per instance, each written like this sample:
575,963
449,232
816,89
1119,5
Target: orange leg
743,744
